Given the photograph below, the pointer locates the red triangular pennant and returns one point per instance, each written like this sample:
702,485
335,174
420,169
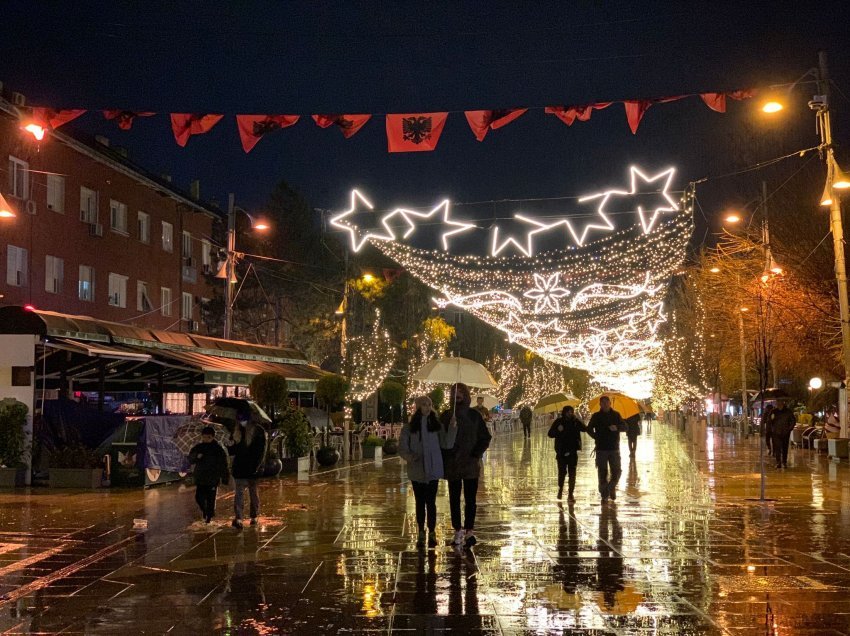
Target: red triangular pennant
635,110
348,124
569,114
715,101
184,125
125,117
253,127
49,119
414,132
483,120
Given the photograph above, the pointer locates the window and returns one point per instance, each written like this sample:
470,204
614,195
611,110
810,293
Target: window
144,227
187,245
54,272
88,205
186,306
143,302
117,290
118,216
86,285
165,300
56,193
16,266
167,237
19,178
206,256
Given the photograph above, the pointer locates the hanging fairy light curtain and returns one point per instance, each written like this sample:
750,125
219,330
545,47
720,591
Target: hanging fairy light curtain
406,132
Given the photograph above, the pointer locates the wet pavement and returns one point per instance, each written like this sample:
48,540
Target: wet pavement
683,550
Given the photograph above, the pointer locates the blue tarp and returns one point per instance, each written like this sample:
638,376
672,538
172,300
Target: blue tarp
158,442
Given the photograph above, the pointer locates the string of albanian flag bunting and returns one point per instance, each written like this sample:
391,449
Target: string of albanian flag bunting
407,132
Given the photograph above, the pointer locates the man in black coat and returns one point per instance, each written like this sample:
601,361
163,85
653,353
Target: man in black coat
782,422
566,430
248,447
605,427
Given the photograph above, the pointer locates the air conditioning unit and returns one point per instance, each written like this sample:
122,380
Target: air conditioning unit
31,206
96,229
19,99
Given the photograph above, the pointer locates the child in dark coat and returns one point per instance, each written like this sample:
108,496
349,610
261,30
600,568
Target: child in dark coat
210,461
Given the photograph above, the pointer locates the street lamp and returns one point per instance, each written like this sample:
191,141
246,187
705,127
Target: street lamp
815,383
6,211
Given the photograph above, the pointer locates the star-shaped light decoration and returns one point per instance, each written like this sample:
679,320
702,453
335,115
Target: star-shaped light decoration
547,292
410,216
521,237
344,221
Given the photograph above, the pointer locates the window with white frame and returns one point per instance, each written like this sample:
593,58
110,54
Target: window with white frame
56,193
117,290
165,300
85,287
88,205
144,227
19,178
187,306
16,266
143,299
206,255
54,273
187,245
118,216
167,236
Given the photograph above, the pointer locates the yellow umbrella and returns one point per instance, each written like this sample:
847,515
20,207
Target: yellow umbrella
555,402
623,404
626,601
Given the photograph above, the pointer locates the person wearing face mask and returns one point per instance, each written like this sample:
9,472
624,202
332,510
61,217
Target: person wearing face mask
566,430
462,463
420,446
248,448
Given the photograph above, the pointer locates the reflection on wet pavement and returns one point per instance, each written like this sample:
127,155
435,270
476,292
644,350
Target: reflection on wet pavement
683,550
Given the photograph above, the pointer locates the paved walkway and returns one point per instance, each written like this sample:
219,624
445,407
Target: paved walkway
682,551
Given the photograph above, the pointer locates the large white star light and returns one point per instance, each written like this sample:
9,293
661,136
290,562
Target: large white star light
547,293
411,216
344,221
524,244
647,221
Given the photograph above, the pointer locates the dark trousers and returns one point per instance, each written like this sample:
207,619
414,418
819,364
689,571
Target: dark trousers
567,464
608,461
239,497
205,497
780,448
632,443
526,429
470,493
425,494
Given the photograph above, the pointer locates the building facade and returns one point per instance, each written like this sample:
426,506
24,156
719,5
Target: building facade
95,235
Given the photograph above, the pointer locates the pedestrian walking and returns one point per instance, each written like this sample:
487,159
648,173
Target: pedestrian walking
605,427
482,410
462,462
420,446
566,430
248,447
782,422
525,416
767,427
210,463
632,432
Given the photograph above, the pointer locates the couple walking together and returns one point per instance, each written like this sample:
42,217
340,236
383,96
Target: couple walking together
449,447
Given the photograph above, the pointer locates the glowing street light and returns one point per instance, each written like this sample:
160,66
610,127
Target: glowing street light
772,107
6,211
36,130
732,218
714,270
368,278
815,383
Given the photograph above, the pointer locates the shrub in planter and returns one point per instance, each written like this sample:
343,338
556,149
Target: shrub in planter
370,444
295,429
13,442
75,466
327,456
391,447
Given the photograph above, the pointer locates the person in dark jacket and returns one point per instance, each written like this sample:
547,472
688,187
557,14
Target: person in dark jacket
210,463
462,463
767,427
632,432
605,427
248,447
566,430
525,416
782,422
420,446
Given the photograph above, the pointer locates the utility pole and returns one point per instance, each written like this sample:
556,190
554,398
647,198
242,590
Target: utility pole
769,264
231,249
820,104
744,396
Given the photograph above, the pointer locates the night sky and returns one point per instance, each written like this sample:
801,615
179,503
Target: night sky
332,57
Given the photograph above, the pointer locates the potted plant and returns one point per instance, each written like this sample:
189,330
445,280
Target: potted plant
273,464
75,466
327,456
372,447
13,442
330,392
270,391
390,446
295,429
392,394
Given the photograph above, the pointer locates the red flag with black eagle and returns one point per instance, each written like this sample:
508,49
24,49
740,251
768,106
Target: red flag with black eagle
253,127
184,125
483,120
414,132
125,118
49,119
348,124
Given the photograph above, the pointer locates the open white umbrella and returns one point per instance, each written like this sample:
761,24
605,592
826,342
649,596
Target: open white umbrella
489,401
452,370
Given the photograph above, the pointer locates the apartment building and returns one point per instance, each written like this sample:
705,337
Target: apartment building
96,235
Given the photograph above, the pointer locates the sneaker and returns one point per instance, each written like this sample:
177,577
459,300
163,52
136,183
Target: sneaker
253,521
571,499
420,540
459,535
560,492
237,523
470,540
432,539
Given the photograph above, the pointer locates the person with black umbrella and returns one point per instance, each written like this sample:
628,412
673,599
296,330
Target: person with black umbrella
566,430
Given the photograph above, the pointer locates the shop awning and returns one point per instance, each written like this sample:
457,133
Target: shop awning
96,349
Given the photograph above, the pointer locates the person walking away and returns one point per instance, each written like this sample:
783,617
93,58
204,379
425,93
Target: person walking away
566,430
462,463
767,428
605,427
210,462
782,421
420,446
632,432
525,416
248,448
